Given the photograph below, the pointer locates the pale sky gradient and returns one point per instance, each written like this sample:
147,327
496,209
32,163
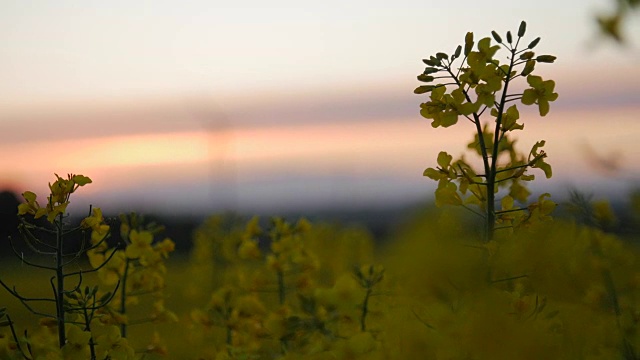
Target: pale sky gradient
179,105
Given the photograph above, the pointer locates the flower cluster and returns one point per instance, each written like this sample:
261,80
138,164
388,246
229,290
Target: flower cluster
57,201
278,303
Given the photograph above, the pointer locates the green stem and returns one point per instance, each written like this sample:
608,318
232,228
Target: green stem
365,310
15,337
123,297
87,327
485,161
59,291
491,174
281,289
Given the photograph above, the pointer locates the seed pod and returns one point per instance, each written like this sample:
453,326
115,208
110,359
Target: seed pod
423,89
509,38
528,68
533,43
496,36
104,298
468,43
528,55
546,58
425,78
458,50
522,29
431,61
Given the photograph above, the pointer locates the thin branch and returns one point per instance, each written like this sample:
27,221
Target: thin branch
95,269
503,227
21,257
511,210
422,321
27,236
510,278
15,337
473,211
77,287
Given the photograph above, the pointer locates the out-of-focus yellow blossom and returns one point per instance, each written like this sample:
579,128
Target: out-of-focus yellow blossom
160,314
603,214
303,225
276,322
156,346
165,247
77,346
8,348
201,317
253,228
249,306
249,250
140,245
114,318
273,263
44,344
221,300
109,343
359,346
95,222
113,270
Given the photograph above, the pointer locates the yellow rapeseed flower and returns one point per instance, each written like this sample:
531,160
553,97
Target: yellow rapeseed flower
140,244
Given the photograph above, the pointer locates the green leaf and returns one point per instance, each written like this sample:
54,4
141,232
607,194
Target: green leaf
444,160
468,43
458,51
528,68
29,196
81,180
496,36
425,78
423,89
431,61
522,29
527,55
538,145
441,56
507,203
430,70
434,174
533,43
509,119
447,194
509,38
540,164
546,58
519,192
448,118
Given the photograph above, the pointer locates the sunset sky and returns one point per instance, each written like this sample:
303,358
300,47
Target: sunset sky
191,106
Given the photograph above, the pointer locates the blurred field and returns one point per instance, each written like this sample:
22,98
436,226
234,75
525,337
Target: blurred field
548,290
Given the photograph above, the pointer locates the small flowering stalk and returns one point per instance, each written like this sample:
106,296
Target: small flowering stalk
139,267
368,277
288,255
480,86
49,240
